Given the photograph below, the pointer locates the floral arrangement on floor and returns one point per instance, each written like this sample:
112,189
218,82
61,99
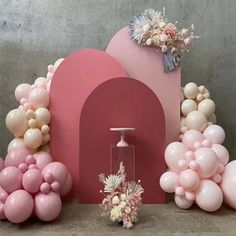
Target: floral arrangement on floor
152,29
122,198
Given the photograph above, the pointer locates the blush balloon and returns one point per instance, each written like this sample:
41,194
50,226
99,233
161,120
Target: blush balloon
3,195
182,202
22,91
189,179
39,97
209,196
65,189
169,181
47,206
32,179
18,206
16,156
215,134
221,153
42,159
191,137
10,179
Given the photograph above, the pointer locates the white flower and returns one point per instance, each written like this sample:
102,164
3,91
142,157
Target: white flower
122,204
115,214
162,24
149,41
115,200
111,183
123,197
127,210
187,41
146,28
184,31
163,37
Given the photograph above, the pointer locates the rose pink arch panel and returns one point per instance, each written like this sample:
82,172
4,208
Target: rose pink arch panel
77,76
146,64
121,102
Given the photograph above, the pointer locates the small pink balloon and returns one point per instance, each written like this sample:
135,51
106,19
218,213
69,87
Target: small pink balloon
47,206
39,97
30,159
3,195
18,206
32,166
58,171
55,186
191,137
182,164
221,153
189,180
173,154
10,179
42,159
2,214
182,202
65,189
45,188
27,106
23,167
197,145
189,156
206,143
190,196
221,168
169,181
228,184
22,91
2,164
16,156
216,178
209,196
193,165
32,179
207,160
179,191
48,177
215,134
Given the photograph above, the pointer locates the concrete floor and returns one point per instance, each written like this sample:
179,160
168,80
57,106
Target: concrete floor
82,220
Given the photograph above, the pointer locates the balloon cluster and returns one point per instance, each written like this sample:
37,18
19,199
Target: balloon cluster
198,165
29,123
30,182
197,109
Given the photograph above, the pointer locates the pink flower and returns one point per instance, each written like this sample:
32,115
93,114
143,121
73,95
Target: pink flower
170,29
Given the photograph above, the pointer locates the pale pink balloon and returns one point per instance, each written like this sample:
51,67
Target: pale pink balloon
2,164
45,188
32,179
209,196
169,181
3,195
58,171
47,206
189,179
207,160
18,206
55,186
42,159
10,179
173,154
39,97
16,156
215,134
228,184
57,63
65,189
22,91
221,153
2,214
191,137
182,202
41,82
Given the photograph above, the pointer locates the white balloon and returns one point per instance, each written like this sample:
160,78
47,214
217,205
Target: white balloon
182,202
207,107
42,116
191,90
187,106
33,138
196,120
16,143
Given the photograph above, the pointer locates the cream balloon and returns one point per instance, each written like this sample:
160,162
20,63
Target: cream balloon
187,106
33,138
42,116
212,118
191,90
182,202
207,107
17,122
16,143
182,121
196,120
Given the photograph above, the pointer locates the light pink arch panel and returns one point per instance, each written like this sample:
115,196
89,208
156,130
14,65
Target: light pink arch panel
146,64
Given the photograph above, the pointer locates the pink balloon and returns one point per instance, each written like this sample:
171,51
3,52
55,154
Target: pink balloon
182,202
22,91
215,134
174,156
3,195
169,181
2,164
39,97
65,189
42,159
189,179
191,137
47,206
10,179
16,156
45,188
18,206
209,196
58,171
228,184
2,214
207,161
221,153
32,179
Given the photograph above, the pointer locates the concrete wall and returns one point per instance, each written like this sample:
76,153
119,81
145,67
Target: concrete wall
34,33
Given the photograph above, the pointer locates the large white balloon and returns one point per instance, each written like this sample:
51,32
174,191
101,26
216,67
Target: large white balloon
191,90
33,138
196,120
42,116
187,106
207,107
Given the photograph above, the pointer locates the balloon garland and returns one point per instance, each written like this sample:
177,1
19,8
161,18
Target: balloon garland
198,164
30,182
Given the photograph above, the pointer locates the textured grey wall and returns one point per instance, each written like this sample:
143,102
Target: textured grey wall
34,33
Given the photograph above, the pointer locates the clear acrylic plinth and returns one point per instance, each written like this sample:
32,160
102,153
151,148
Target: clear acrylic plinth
125,155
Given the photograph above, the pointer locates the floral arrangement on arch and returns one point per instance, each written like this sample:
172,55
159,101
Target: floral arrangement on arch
152,29
122,198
